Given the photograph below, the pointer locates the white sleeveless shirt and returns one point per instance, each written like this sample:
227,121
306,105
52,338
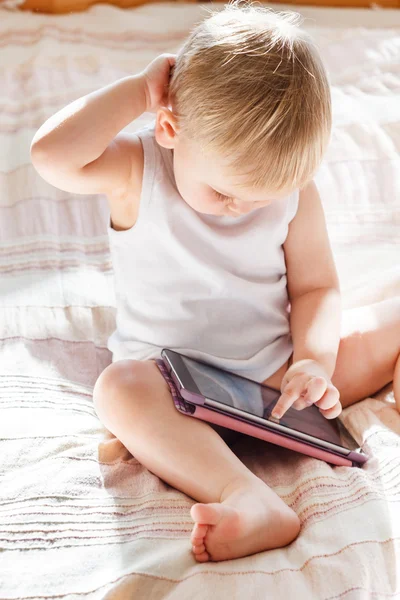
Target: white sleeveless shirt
210,287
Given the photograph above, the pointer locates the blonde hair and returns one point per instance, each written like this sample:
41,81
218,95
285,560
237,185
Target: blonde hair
249,84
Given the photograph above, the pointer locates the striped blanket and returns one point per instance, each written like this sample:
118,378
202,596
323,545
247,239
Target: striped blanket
80,518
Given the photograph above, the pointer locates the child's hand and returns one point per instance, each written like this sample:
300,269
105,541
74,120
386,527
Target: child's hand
306,383
156,78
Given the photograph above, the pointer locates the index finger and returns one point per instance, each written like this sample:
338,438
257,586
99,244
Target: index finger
289,395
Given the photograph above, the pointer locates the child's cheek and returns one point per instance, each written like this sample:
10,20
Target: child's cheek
202,203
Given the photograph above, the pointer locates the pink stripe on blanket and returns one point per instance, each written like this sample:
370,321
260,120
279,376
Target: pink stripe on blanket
56,265
47,246
31,36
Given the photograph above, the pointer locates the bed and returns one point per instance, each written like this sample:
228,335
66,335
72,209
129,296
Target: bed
80,518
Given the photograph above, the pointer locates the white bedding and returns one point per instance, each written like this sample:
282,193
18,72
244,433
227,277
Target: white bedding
80,518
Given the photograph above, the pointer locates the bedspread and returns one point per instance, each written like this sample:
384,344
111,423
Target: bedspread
80,518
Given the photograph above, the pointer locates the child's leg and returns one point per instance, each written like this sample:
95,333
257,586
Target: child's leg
369,350
241,515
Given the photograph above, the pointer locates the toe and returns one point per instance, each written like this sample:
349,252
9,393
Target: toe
207,513
203,557
198,549
198,534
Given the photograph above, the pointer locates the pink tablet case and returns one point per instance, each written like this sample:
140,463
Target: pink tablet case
205,414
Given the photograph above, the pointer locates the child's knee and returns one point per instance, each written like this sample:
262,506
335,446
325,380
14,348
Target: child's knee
122,382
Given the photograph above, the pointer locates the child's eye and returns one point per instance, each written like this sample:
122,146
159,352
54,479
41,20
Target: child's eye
222,196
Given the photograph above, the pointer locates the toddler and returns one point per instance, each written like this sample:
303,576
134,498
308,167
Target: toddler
220,252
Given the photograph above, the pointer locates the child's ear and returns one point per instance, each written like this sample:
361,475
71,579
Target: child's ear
166,128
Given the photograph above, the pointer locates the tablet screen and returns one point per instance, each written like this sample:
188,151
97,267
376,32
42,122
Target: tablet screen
248,396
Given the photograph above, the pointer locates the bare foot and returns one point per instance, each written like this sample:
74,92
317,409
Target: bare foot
249,519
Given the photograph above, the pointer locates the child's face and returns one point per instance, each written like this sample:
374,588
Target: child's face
210,187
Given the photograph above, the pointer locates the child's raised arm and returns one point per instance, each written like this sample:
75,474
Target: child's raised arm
79,150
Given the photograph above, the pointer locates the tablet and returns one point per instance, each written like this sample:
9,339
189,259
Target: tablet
237,400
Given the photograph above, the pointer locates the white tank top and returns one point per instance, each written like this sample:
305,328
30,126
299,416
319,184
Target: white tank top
210,287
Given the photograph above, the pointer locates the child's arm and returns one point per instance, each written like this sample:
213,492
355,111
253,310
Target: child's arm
315,315
80,149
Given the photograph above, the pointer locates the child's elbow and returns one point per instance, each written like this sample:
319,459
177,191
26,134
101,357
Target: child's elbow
40,155
39,158
45,164
35,152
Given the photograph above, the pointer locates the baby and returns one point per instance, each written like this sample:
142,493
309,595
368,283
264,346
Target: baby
220,252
